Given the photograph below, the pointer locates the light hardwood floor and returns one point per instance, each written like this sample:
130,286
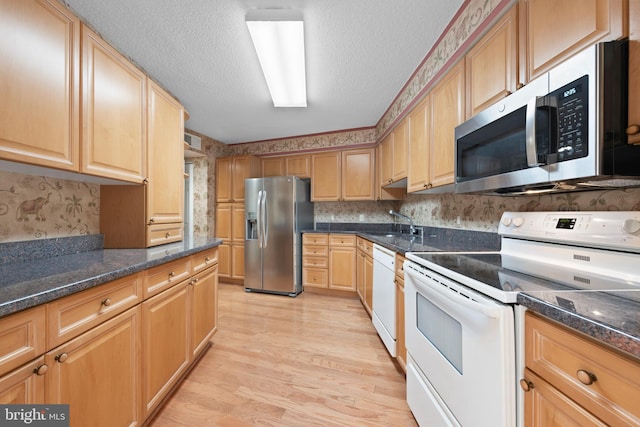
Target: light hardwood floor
313,360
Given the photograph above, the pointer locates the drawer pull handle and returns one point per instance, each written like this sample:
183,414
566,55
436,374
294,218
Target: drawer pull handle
166,236
106,302
41,370
61,357
586,377
206,260
171,275
526,385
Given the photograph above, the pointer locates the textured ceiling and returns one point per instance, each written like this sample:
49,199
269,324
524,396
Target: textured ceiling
359,55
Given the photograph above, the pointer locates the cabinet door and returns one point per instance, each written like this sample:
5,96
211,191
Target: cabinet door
399,154
401,353
418,169
360,274
223,221
204,316
358,174
113,127
237,261
273,166
165,165
545,406
342,268
243,167
555,31
224,178
325,177
447,111
98,374
165,343
492,64
386,160
299,166
224,260
39,84
237,223
368,283
24,385
633,129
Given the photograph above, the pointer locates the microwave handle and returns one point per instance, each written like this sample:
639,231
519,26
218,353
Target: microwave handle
530,133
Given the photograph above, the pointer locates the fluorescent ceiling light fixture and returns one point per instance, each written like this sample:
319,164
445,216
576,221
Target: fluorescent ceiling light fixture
278,37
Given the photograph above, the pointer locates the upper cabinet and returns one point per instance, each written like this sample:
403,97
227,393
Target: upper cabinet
419,134
492,64
555,30
393,155
447,112
343,175
113,113
230,175
296,165
633,129
39,84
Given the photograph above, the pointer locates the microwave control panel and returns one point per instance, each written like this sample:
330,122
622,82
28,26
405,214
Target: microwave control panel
572,106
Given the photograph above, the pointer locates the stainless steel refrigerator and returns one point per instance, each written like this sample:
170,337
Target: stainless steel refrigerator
277,209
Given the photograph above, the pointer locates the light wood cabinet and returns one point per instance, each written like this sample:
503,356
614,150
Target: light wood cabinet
633,129
22,338
343,175
342,262
326,176
418,174
165,343
230,228
98,374
492,64
315,260
554,31
298,165
401,348
151,214
40,57
273,166
364,273
572,380
230,175
447,111
114,133
399,152
204,315
24,385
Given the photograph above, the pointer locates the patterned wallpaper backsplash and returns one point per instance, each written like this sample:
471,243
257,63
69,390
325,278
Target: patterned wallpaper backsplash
35,207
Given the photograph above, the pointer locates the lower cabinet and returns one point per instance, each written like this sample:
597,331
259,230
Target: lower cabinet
97,373
113,356
342,262
401,348
364,273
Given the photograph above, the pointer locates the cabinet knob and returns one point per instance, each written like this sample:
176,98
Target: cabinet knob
586,377
167,235
145,181
41,370
206,260
61,357
172,275
633,130
151,220
526,385
106,302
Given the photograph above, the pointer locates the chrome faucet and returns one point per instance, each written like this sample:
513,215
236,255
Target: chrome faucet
412,227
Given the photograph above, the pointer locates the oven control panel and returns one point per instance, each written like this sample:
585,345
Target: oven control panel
610,230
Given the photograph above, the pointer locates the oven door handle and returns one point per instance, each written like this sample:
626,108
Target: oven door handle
443,295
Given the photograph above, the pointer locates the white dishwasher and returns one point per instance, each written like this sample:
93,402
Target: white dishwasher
384,296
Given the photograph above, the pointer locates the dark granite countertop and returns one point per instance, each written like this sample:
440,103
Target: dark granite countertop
611,317
27,280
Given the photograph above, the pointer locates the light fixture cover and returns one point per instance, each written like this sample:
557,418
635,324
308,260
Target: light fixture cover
278,37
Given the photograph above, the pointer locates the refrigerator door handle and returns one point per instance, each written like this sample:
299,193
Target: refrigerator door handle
265,224
259,219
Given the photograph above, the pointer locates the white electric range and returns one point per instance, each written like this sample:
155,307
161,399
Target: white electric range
463,326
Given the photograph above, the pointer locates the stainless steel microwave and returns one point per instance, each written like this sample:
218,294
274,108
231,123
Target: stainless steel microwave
563,131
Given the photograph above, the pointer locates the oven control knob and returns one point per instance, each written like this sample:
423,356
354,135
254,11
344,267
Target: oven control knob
517,222
506,221
631,226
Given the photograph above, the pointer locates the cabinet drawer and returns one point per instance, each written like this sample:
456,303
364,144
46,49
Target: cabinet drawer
204,259
165,276
159,234
70,316
315,261
315,251
315,277
315,239
22,338
342,240
566,360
